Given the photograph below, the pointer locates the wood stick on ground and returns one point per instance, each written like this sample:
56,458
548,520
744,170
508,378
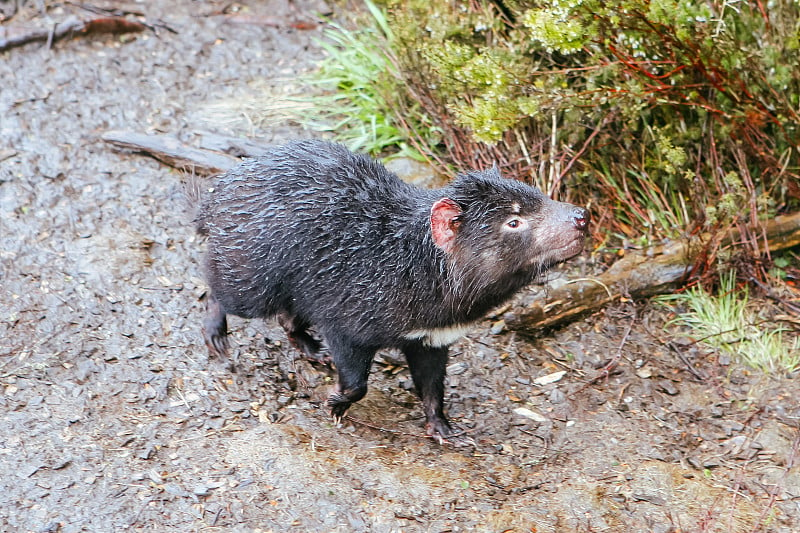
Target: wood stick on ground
172,152
73,27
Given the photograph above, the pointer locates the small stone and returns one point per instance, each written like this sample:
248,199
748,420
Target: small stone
556,396
498,327
407,384
457,368
527,413
651,498
550,378
667,387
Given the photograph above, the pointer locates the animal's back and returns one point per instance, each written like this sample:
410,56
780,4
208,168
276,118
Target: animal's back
288,230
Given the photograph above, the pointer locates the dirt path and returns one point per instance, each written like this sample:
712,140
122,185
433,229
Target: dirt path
113,417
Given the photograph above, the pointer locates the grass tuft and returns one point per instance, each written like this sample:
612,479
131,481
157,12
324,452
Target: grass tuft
356,102
728,324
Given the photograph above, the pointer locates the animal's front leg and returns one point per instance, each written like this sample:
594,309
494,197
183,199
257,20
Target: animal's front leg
428,367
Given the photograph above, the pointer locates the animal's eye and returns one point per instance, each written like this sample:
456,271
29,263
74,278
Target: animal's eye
516,223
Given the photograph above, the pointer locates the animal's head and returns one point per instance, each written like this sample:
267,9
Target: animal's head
506,225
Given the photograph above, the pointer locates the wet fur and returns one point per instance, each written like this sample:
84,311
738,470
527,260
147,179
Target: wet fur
322,237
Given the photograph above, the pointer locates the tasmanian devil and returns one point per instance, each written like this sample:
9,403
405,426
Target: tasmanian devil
320,237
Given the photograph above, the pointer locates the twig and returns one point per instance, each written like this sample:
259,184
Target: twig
696,373
105,10
614,362
74,27
586,144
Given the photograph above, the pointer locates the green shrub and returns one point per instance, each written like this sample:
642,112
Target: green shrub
664,116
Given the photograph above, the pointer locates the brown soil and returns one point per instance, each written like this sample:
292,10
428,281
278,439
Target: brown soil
113,417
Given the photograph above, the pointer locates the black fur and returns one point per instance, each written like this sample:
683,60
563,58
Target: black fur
319,236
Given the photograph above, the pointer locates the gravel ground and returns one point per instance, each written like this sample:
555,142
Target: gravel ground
113,417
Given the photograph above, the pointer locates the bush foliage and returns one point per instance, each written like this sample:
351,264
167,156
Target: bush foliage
665,116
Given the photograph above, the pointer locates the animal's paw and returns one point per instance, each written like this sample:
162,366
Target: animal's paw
442,432
217,343
338,405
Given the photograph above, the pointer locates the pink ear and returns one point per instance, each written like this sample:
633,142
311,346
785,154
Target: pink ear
444,223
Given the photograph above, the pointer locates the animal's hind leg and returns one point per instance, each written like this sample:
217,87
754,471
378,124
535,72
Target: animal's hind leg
297,331
353,363
215,327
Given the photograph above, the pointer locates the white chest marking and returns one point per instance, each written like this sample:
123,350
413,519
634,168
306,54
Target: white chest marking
438,337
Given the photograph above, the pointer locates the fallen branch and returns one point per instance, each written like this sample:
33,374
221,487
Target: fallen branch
172,152
108,11
74,27
272,22
638,275
235,146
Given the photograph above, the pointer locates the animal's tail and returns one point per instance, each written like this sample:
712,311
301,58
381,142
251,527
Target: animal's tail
193,198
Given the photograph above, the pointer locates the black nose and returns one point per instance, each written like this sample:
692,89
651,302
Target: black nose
580,217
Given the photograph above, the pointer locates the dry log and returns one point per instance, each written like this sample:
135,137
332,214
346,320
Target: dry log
637,275
235,146
74,27
172,152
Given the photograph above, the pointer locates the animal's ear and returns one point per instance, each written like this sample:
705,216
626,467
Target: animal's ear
445,215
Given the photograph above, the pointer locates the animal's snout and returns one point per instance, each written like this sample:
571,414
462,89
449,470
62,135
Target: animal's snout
580,218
